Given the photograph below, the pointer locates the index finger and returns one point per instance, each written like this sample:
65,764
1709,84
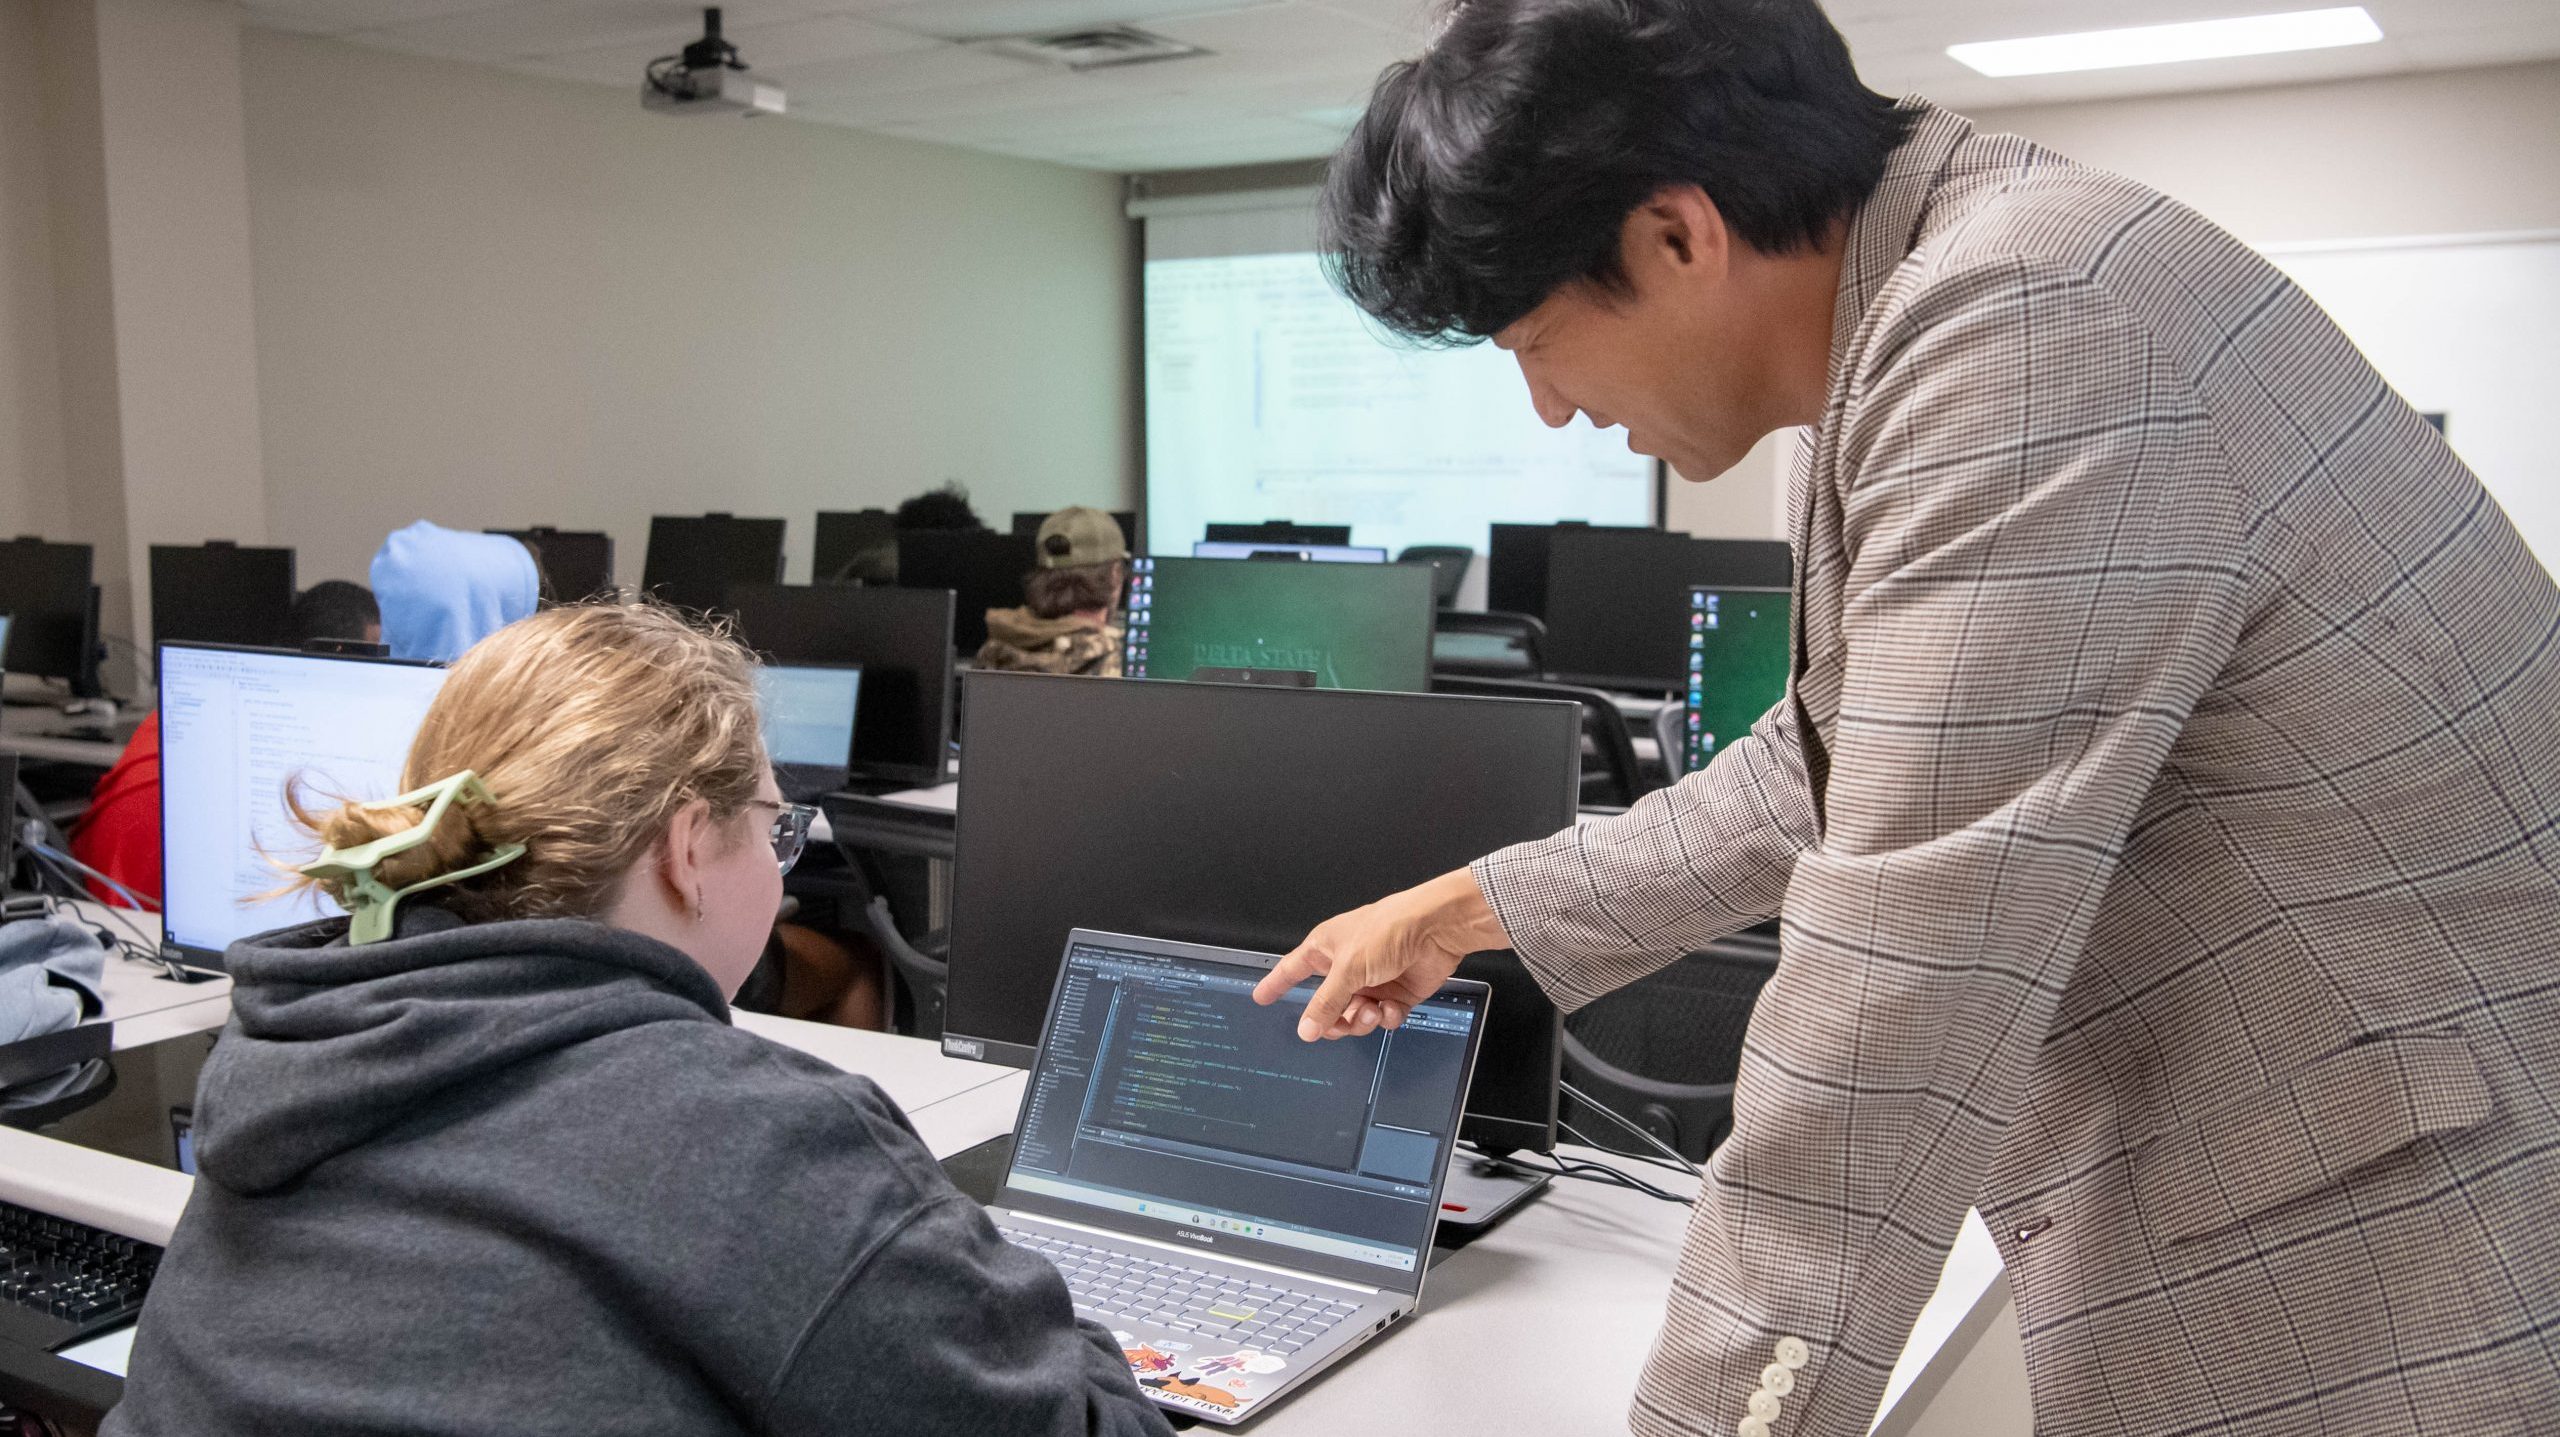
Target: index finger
1303,962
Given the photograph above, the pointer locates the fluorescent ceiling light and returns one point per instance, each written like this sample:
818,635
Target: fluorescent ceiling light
2168,44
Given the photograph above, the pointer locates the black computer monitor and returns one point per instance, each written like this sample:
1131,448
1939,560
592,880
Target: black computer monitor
576,565
1027,522
693,559
220,593
1311,553
1352,626
1741,651
1243,817
845,539
1278,531
236,725
902,640
1515,574
984,568
53,607
1607,590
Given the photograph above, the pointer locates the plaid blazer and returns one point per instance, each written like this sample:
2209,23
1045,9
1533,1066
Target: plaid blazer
2163,817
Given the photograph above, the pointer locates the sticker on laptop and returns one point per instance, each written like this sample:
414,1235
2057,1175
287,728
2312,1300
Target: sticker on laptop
1223,1385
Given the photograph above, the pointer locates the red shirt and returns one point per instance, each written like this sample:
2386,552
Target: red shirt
120,834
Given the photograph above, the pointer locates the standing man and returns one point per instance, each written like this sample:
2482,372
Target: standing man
2165,810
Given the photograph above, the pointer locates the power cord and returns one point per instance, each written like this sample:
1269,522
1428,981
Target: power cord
1604,1110
1586,1171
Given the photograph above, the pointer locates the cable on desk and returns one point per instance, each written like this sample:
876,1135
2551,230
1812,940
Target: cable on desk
1594,1172
58,856
137,945
1604,1110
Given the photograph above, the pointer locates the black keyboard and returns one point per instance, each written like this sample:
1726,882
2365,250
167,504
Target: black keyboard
62,1282
1113,1286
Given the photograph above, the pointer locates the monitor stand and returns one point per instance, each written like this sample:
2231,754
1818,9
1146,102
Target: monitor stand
1482,1192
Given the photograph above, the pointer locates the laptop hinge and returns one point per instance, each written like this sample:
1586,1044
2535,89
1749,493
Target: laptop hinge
1193,1254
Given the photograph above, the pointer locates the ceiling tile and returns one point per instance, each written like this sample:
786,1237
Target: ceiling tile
538,28
767,48
339,17
1286,77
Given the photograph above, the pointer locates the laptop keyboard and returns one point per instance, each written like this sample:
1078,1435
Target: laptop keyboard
1123,1287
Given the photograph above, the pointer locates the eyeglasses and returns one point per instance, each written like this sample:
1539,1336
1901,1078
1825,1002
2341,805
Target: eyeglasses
790,829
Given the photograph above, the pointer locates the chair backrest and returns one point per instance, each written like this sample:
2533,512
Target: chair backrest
867,831
1448,568
1489,646
1671,738
1618,780
1663,1052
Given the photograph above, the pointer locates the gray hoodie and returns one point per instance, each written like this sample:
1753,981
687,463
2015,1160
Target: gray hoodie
525,1178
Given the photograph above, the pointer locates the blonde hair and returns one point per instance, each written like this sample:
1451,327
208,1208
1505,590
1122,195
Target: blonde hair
591,724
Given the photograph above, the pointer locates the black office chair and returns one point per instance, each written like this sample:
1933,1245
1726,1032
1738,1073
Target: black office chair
1671,740
1488,646
1611,777
1663,1052
1448,568
866,831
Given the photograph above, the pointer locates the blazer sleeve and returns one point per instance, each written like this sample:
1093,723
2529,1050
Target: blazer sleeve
1602,904
2047,572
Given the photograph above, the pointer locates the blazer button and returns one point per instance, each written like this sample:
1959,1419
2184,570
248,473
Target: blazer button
1792,1353
1751,1427
2031,1228
1779,1380
1764,1405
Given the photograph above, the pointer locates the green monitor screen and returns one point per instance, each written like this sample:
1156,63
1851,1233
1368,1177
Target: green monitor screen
1740,650
1354,626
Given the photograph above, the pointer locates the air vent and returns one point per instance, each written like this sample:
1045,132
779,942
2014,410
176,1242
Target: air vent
1094,48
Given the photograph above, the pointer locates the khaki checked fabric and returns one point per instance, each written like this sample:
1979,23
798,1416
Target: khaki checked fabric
2163,816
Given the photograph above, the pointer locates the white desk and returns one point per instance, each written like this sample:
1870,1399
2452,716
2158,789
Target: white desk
1539,1326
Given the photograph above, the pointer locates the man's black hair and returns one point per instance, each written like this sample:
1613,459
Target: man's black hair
1502,165
943,508
331,609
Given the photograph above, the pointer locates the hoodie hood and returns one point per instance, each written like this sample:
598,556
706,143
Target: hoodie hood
330,1045
442,590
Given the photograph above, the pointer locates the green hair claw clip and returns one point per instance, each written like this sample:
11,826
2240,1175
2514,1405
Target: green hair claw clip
368,901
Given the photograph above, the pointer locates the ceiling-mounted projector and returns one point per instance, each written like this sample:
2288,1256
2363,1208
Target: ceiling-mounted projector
707,79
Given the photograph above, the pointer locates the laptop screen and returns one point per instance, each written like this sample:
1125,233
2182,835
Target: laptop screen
808,712
1165,1102
235,726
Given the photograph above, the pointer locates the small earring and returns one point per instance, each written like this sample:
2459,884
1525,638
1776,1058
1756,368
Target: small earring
698,909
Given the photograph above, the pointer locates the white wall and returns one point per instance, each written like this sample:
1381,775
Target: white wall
2457,152
31,462
492,300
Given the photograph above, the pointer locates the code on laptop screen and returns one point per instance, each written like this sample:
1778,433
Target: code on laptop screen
1163,1090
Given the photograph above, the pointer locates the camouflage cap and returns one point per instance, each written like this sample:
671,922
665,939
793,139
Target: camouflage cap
1078,537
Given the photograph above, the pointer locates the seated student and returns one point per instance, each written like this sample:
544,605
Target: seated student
511,1169
443,590
1064,625
943,507
119,835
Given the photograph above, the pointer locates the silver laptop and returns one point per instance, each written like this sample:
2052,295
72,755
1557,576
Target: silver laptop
1240,1208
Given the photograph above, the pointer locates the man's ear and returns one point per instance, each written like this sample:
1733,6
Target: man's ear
1677,237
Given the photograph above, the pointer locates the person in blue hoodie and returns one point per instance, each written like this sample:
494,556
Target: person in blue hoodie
443,590
488,1155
